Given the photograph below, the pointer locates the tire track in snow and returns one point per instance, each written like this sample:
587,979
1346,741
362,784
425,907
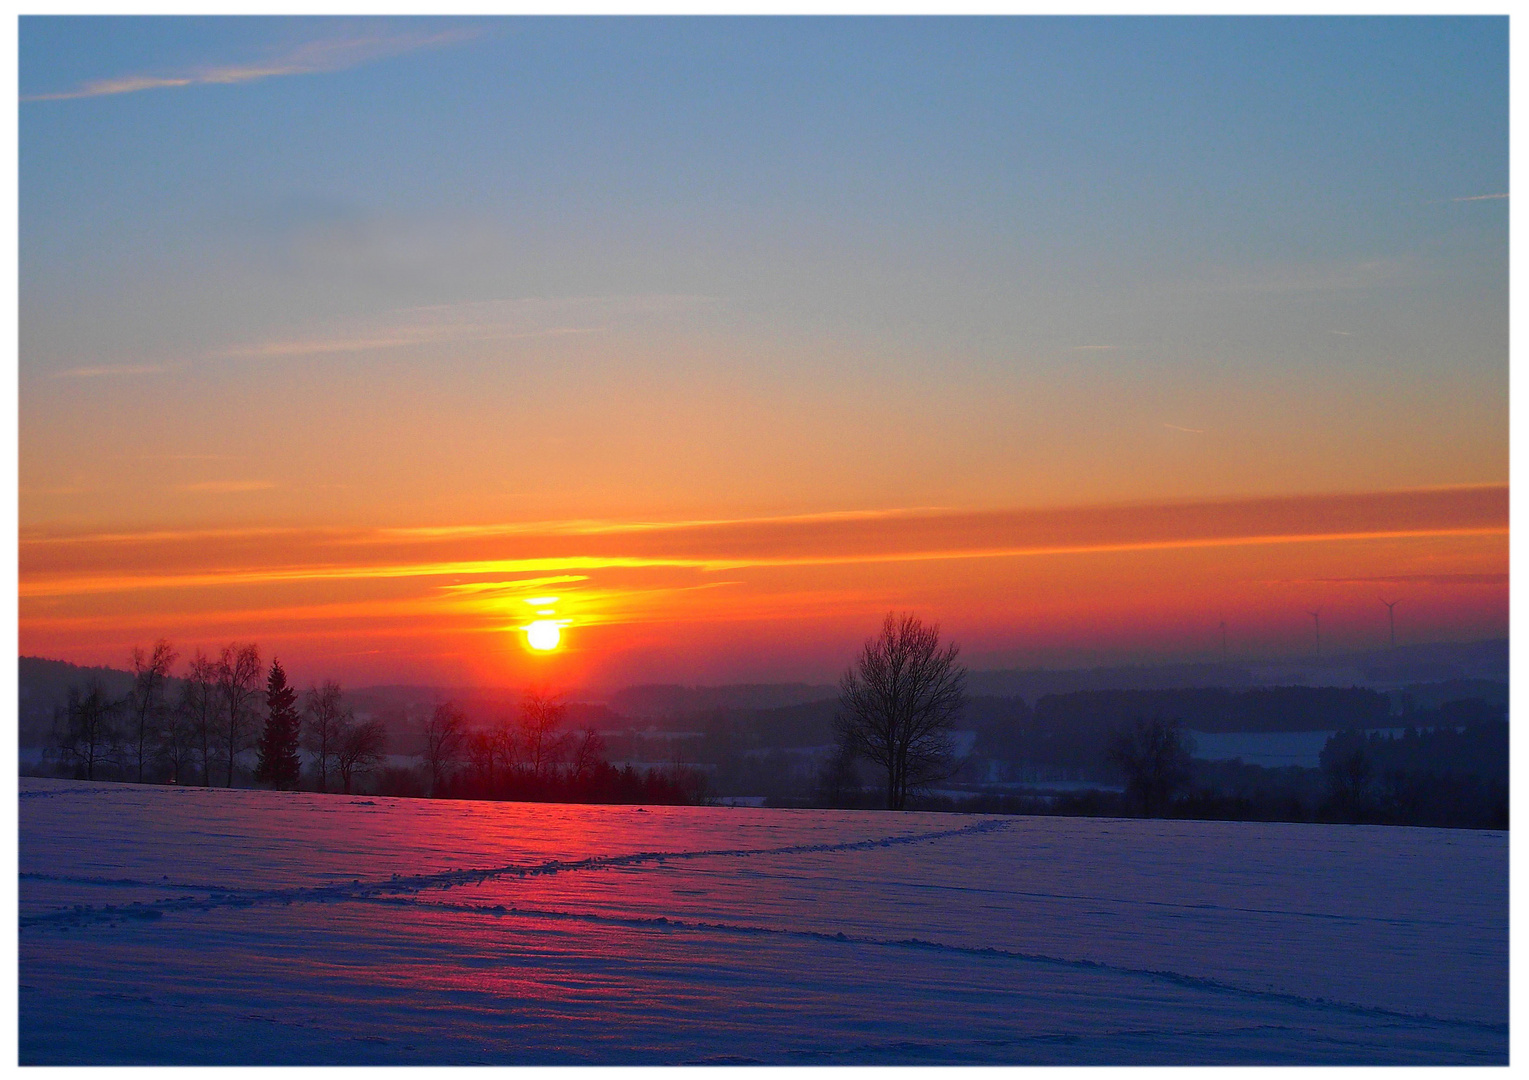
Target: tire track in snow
1028,895
1197,982
1178,905
1174,904
446,879
1118,1043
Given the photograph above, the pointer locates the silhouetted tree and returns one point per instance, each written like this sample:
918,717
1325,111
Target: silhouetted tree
480,757
326,720
588,753
88,735
177,742
279,764
541,714
1155,758
506,745
443,732
1349,772
898,704
146,699
198,709
239,671
361,748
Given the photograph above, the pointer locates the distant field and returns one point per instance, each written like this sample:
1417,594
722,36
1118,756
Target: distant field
184,925
1272,749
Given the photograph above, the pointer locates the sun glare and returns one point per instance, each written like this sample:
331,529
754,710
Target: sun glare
543,635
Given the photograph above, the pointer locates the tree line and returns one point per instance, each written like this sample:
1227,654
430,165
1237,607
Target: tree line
530,756
1455,773
1069,734
898,705
1448,770
203,734
232,705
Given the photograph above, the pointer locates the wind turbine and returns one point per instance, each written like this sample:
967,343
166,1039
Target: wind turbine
1391,612
1316,622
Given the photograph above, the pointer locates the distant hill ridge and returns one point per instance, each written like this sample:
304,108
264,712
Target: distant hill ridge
43,685
1429,673
1377,669
656,700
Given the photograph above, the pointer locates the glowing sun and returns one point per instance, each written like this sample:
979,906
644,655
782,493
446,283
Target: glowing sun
543,635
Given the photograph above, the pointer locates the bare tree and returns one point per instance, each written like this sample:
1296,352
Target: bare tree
481,755
506,743
326,720
146,699
361,749
588,752
1154,756
239,673
899,702
541,714
177,741
87,732
1350,773
443,731
199,705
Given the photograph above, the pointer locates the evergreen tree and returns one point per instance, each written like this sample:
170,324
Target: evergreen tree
279,764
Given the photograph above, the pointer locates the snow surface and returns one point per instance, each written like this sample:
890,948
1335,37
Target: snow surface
194,926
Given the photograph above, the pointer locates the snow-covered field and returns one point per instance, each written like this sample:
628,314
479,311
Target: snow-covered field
183,925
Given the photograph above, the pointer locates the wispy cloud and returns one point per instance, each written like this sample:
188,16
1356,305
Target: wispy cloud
1479,198
107,370
311,58
401,338
1191,430
517,586
489,320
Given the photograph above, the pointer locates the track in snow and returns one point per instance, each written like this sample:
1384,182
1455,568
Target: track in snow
317,929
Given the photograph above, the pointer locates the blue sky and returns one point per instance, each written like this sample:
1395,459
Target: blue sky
1090,213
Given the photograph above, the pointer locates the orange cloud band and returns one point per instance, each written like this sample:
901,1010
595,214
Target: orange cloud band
70,565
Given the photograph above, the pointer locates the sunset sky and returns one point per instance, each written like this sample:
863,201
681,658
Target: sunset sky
717,339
